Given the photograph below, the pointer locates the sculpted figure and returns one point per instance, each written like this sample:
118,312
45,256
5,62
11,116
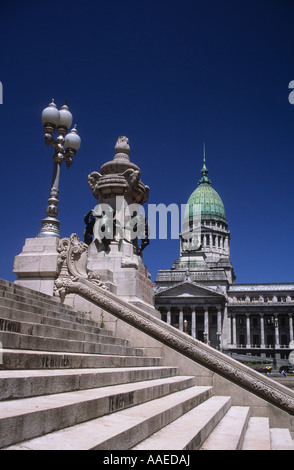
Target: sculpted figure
132,176
139,227
103,227
89,220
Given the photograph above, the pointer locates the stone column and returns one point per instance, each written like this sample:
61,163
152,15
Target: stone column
227,248
230,329
219,326
168,317
234,331
226,243
262,343
219,320
181,318
193,332
291,326
277,335
206,325
248,339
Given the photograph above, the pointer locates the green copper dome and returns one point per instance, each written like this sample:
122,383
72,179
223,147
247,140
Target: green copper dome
211,204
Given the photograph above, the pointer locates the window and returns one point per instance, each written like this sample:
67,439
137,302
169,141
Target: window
256,341
284,340
241,340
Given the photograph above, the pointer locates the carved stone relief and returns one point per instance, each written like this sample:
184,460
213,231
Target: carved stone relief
72,262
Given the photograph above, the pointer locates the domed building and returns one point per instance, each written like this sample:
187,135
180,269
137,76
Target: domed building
205,214
199,295
211,203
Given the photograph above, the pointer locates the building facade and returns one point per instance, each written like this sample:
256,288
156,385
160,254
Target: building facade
199,294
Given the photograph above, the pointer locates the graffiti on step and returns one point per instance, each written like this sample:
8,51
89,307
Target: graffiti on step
49,362
122,400
11,326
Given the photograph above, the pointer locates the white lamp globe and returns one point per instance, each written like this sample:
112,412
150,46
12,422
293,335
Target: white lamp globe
72,140
65,117
50,115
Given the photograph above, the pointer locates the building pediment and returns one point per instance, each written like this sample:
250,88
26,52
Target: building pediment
190,289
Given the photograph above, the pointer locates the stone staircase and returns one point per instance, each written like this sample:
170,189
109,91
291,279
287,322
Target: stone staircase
66,383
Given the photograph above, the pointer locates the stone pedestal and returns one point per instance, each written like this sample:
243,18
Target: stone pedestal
120,232
123,272
36,266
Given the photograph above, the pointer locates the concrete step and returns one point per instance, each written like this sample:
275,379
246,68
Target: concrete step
15,290
39,308
22,341
123,429
190,430
257,436
281,439
33,298
229,433
11,290
27,418
28,359
38,329
65,383
27,383
9,313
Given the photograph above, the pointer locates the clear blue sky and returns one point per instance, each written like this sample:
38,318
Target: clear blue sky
168,74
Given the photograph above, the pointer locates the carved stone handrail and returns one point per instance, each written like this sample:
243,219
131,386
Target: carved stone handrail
230,369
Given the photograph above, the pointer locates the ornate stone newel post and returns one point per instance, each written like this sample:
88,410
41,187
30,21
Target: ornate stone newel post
117,230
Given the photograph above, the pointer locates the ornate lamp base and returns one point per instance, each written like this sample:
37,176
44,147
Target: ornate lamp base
49,228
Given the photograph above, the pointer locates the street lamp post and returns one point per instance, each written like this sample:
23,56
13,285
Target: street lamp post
65,147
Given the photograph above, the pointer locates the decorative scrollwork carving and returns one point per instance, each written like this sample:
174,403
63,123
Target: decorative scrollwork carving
72,261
